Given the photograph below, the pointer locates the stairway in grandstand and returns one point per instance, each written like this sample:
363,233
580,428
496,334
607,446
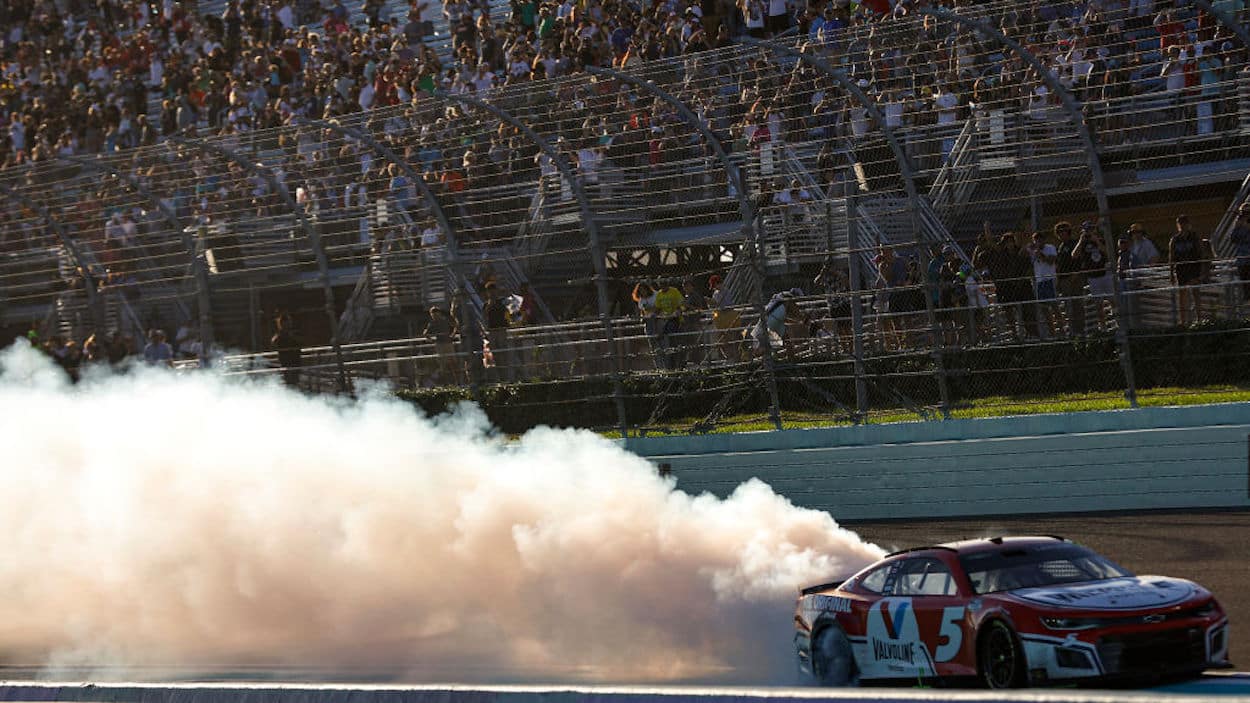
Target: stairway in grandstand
994,173
1223,231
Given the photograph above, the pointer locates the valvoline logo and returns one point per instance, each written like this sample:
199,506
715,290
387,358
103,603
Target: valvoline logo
891,619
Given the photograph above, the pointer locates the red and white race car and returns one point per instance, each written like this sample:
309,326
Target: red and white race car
1007,611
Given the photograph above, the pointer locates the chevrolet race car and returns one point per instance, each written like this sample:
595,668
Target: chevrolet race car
1008,612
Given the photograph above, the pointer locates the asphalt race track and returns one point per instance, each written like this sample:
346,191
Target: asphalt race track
1210,548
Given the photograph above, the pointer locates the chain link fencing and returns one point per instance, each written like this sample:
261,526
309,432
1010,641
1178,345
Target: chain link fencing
942,214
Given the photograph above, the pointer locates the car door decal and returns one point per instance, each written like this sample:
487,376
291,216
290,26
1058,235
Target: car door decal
950,635
894,646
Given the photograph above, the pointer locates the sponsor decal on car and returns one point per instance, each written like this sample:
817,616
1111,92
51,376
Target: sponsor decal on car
1117,594
894,641
832,604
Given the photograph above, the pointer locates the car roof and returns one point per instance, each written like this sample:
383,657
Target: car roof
984,544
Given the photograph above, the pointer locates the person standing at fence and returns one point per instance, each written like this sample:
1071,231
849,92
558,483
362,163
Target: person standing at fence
443,330
1127,263
644,297
891,273
1071,279
157,352
1094,261
668,309
1240,238
1145,253
1045,281
1185,260
288,346
771,328
1012,271
495,323
834,280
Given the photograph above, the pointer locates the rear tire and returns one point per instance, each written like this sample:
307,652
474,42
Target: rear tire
1000,658
833,662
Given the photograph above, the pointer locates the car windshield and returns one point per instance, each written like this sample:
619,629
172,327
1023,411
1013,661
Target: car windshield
1028,567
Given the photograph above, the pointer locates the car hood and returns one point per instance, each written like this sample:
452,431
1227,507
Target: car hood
1128,593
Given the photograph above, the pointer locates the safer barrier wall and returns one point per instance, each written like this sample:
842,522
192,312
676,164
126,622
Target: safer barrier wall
1143,459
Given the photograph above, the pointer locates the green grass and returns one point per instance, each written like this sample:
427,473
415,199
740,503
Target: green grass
991,406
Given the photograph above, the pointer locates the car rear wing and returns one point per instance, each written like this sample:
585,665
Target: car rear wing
822,586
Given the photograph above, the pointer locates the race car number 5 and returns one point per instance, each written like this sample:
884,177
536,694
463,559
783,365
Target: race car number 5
952,630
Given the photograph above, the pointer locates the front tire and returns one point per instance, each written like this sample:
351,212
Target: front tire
1000,657
833,662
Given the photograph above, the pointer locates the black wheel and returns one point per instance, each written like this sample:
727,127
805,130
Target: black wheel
1000,657
833,662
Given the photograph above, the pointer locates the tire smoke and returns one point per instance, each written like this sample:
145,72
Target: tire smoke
200,523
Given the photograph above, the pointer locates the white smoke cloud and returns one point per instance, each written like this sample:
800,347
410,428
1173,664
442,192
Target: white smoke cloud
189,521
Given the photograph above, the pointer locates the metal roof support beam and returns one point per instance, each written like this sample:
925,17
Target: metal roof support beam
198,265
90,284
314,237
436,208
734,178
560,161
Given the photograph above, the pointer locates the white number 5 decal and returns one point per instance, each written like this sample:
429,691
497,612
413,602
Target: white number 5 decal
953,631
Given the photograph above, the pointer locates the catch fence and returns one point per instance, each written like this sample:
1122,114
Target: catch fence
600,249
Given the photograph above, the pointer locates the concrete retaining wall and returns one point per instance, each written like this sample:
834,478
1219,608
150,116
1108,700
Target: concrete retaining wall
1150,458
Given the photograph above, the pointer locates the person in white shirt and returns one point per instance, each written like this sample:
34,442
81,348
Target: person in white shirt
484,80
947,104
1144,251
588,165
778,17
366,96
892,109
286,16
1039,102
356,201
17,132
1045,274
753,16
794,199
431,235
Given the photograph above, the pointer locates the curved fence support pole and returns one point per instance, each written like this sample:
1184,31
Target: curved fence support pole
909,186
1099,184
314,237
423,188
198,265
592,230
90,284
734,179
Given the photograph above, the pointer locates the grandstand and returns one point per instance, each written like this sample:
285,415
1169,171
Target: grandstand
924,131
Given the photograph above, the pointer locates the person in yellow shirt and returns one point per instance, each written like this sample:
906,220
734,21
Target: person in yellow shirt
669,303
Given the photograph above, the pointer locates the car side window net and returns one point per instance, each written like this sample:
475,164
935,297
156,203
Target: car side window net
924,577
875,582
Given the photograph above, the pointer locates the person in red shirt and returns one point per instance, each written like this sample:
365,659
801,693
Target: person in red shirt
877,7
1171,32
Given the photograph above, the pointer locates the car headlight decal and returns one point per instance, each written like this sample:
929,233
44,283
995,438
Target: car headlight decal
1071,623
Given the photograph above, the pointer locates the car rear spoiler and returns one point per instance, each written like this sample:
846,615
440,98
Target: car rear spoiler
822,586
